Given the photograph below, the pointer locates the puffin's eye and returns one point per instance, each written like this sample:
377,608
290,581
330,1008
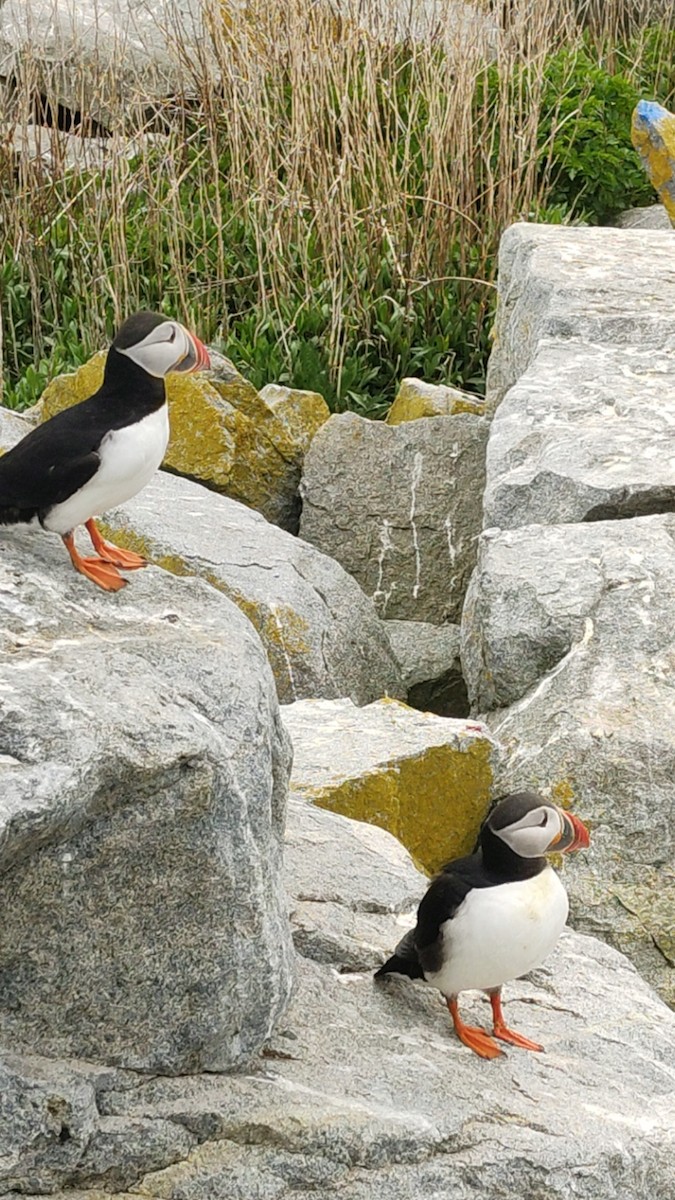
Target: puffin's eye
173,335
544,820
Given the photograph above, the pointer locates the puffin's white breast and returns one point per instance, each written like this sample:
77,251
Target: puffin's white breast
499,933
129,458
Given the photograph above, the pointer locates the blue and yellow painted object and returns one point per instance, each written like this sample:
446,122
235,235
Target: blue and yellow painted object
653,135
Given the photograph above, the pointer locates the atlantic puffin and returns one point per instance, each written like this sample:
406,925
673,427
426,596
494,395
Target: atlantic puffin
494,915
102,451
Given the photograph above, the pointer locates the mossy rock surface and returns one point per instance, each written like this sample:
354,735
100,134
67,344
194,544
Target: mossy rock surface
425,779
416,399
224,434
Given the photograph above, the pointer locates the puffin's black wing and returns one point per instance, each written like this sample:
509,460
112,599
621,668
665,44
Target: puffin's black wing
439,904
404,960
418,952
50,464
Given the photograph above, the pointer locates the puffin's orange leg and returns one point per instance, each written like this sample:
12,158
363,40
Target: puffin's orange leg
113,554
476,1039
105,575
501,1030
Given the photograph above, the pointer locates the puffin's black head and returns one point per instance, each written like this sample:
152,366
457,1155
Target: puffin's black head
530,826
159,345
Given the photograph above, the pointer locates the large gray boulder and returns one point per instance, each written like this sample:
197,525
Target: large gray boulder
321,633
41,150
567,642
353,1097
399,507
13,427
609,286
348,884
143,782
586,434
459,27
654,216
103,59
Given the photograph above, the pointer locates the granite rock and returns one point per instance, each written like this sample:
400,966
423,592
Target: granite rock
597,286
13,427
105,60
425,779
293,418
654,216
567,641
144,773
321,634
587,433
41,151
52,1133
347,882
350,1095
458,26
399,507
416,398
354,1096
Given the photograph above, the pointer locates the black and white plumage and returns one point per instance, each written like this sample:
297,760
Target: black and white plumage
494,915
102,451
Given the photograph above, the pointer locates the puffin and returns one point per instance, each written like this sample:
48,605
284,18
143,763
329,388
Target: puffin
493,915
102,451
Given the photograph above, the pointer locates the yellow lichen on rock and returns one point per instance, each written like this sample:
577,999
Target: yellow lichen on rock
416,399
224,433
406,801
206,431
127,539
284,633
69,389
425,779
297,417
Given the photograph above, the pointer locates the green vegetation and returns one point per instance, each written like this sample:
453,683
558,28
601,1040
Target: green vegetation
341,233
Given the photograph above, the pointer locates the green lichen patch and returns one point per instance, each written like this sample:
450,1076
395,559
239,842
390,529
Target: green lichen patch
416,399
433,802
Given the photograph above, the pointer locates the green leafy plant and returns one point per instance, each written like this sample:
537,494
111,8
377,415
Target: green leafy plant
591,168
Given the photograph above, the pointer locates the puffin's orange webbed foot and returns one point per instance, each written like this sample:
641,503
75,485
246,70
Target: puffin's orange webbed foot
516,1039
127,559
103,574
501,1030
476,1039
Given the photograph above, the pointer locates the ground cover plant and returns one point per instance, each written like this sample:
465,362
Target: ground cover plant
325,201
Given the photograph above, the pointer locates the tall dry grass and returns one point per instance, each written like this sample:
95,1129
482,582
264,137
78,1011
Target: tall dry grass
319,175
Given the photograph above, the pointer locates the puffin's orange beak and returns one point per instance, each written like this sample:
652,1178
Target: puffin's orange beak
203,360
197,359
574,836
